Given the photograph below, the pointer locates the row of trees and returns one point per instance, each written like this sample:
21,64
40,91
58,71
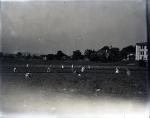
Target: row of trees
110,54
105,54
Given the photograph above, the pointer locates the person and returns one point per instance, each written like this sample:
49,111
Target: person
82,69
73,69
128,72
27,75
72,66
27,68
79,74
48,69
116,70
27,65
14,69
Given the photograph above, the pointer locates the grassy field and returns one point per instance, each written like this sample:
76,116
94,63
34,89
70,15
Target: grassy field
57,90
99,80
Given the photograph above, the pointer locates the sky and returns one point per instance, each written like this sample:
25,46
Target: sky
44,27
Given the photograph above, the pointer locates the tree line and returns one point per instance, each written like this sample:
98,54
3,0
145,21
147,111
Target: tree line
105,54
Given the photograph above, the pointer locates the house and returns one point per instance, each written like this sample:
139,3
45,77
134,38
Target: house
44,57
141,51
130,56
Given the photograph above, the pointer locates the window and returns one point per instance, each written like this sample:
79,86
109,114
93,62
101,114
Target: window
142,58
142,47
142,53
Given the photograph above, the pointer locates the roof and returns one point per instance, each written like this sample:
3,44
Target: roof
143,43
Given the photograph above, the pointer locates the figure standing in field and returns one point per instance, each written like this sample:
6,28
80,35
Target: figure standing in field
27,74
82,69
14,69
128,72
48,69
116,70
62,66
27,65
27,68
72,66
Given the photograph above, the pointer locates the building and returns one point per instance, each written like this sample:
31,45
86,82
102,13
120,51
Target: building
130,56
44,57
141,51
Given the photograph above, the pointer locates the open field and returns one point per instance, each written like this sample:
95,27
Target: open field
19,94
100,76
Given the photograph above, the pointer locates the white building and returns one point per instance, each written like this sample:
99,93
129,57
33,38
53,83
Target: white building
141,51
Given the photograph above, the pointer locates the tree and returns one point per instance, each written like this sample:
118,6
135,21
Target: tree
59,55
114,54
50,56
19,55
88,53
127,50
91,55
94,56
77,55
103,54
1,54
36,56
105,48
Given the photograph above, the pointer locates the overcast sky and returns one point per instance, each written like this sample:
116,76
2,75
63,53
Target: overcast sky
46,27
